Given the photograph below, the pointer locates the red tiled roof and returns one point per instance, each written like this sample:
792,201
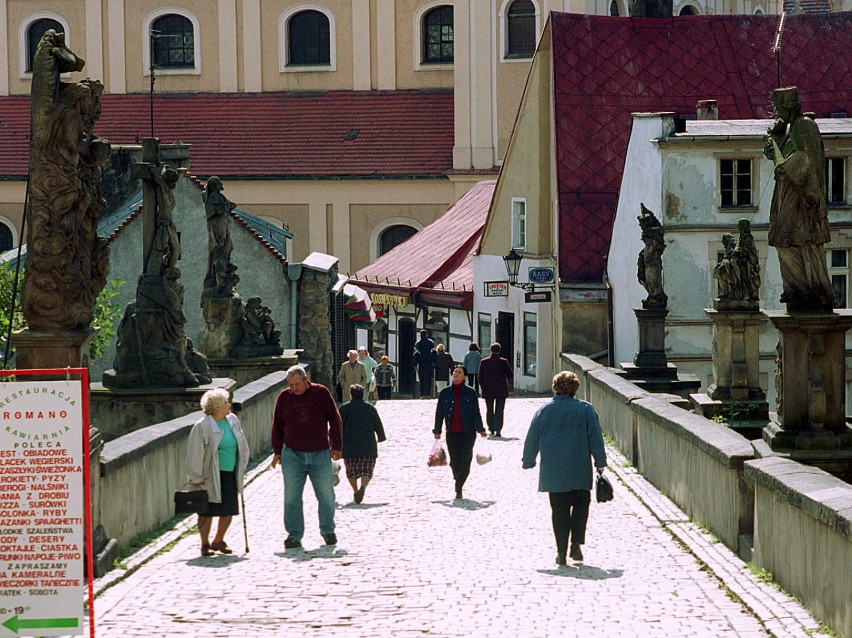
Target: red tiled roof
438,260
360,134
606,68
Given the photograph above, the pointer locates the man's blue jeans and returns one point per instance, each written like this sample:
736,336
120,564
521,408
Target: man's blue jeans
296,468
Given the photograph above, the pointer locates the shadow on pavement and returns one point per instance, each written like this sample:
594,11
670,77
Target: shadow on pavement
503,439
466,504
305,555
360,506
215,561
583,572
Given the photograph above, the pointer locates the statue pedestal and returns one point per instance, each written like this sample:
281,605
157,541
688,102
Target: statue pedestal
52,348
246,370
652,340
650,369
117,412
735,392
811,425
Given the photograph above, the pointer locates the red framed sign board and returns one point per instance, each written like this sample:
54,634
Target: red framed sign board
45,503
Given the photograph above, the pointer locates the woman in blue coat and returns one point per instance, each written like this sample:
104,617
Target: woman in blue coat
567,434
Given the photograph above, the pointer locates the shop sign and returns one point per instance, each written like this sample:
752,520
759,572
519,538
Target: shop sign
43,498
537,297
496,288
385,299
379,309
541,276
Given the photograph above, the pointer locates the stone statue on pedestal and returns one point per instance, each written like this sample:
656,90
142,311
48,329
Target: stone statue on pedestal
67,263
738,273
232,327
152,349
798,217
650,262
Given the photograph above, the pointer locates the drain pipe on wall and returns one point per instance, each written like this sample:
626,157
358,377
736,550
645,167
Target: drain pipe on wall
294,273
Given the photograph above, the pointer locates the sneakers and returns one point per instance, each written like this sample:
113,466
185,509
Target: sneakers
292,543
560,558
330,539
575,552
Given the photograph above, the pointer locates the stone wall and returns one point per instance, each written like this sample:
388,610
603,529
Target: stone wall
141,470
803,535
790,519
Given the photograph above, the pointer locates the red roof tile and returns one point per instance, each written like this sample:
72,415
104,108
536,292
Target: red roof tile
364,134
606,68
437,260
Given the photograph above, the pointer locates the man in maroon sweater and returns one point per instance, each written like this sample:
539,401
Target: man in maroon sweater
305,424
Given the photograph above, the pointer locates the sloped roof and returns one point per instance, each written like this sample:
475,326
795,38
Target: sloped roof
438,260
605,68
338,134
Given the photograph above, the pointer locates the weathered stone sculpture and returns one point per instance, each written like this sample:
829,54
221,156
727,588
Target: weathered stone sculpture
67,264
650,261
798,218
152,349
738,272
232,327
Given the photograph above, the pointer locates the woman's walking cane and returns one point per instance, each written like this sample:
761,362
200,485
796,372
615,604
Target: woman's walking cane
245,525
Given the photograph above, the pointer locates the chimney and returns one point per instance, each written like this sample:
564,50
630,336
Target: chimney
707,110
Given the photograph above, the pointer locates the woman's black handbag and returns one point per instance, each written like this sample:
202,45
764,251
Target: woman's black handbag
191,501
603,489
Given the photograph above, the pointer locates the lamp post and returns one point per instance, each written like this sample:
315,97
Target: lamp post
513,266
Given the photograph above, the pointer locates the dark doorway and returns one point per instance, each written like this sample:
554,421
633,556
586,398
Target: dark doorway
506,336
405,353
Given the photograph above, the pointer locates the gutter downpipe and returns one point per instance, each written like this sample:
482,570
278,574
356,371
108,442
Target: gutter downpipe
294,273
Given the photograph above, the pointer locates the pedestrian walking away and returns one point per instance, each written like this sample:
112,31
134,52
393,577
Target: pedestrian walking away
217,455
305,424
497,380
567,435
362,429
424,359
443,367
458,409
385,378
471,366
351,371
370,365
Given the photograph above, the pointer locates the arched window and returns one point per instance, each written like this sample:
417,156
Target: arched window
521,29
438,36
688,10
173,42
34,33
7,240
308,39
613,8
394,236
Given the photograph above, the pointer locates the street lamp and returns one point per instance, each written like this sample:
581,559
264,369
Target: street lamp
544,276
513,265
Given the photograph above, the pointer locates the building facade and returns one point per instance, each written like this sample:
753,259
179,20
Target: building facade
684,177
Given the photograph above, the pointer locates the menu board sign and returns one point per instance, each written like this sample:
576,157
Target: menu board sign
42,508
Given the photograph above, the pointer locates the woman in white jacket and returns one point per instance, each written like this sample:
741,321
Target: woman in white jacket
216,459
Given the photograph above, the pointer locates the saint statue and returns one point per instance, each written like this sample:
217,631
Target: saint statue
218,211
798,217
650,262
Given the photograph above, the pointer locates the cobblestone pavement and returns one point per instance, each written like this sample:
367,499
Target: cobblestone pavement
411,561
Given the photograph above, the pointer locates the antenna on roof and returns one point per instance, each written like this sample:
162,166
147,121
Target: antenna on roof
776,48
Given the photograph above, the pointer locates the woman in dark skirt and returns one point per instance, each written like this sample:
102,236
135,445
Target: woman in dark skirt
362,427
216,459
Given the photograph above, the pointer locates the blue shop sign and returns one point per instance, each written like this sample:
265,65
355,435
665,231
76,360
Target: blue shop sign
541,276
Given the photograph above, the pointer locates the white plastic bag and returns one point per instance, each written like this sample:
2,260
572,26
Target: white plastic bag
438,455
335,472
483,451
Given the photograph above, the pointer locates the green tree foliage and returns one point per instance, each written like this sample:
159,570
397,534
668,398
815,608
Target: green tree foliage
107,311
